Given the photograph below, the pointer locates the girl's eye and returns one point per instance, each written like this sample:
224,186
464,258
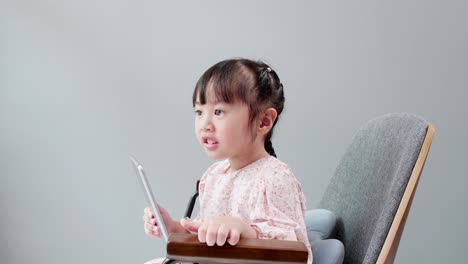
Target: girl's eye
198,112
218,112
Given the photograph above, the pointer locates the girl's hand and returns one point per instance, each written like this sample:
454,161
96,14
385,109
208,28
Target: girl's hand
220,230
151,227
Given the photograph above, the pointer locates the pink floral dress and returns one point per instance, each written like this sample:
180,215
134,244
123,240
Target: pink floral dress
265,194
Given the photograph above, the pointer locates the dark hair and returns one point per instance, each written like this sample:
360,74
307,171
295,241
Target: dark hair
241,80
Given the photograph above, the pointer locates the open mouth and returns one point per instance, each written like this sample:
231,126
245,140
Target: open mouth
210,141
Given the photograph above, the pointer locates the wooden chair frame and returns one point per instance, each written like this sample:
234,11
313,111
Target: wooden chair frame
389,249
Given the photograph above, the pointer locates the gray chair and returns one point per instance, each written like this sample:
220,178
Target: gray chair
364,207
374,184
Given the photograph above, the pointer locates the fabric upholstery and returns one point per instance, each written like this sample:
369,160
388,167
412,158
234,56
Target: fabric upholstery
370,180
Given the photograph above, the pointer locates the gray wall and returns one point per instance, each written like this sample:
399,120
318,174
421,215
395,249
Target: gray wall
86,83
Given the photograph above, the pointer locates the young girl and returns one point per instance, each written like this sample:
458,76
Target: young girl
249,193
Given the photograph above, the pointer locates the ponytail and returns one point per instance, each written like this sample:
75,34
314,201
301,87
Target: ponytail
269,147
270,90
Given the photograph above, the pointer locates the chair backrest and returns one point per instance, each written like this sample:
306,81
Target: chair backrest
369,193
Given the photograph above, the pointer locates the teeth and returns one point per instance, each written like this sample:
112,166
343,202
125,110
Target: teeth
210,141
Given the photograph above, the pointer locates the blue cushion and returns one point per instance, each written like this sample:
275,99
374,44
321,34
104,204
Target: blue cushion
329,251
320,224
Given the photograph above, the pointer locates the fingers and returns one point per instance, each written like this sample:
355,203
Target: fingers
191,227
151,227
149,224
152,222
234,237
202,232
211,234
148,214
214,231
217,232
223,233
147,218
148,211
152,230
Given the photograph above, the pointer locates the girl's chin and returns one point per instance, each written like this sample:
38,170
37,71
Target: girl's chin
215,156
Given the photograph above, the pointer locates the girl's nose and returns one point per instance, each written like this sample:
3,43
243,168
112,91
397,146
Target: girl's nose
207,125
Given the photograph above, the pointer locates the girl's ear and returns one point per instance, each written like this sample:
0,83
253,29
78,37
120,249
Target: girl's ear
267,119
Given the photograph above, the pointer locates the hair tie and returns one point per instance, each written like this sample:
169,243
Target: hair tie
268,69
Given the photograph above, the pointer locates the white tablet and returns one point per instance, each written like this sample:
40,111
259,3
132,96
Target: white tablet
150,196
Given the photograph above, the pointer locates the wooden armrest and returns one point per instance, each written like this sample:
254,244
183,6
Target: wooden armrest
186,247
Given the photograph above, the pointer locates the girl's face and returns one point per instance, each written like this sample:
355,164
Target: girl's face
223,129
